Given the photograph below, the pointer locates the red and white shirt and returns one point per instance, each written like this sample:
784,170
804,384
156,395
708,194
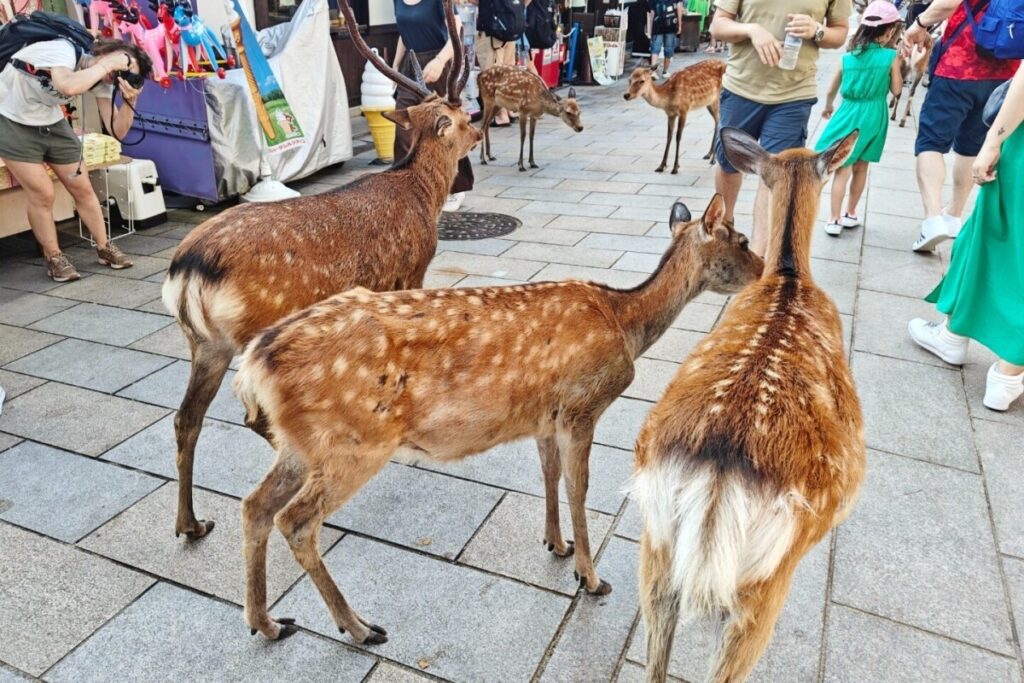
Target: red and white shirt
962,62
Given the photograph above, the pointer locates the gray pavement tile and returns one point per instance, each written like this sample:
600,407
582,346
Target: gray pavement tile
882,326
106,324
564,173
438,280
56,595
229,459
491,266
631,524
639,213
914,410
1001,448
11,675
154,306
389,673
900,272
643,245
7,441
448,620
76,419
918,549
62,494
620,423
28,277
90,365
507,181
674,345
475,281
16,384
640,263
22,308
417,509
113,291
597,631
600,185
157,277
493,204
510,543
545,235
651,379
1015,579
543,194
897,202
487,247
654,202
16,342
601,225
568,209
146,245
882,229
652,178
172,635
793,654
167,388
698,316
844,248
516,466
979,360
143,267
839,280
606,276
166,341
572,256
143,536
862,647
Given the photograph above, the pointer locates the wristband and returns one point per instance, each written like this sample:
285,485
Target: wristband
917,20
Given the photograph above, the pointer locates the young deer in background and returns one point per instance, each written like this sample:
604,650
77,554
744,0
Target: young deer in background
699,85
756,450
915,69
344,385
519,90
246,268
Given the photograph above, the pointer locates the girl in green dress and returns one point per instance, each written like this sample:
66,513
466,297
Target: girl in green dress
869,72
983,291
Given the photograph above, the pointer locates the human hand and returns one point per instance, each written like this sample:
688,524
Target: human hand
801,26
129,93
984,168
768,47
116,61
433,70
826,113
914,35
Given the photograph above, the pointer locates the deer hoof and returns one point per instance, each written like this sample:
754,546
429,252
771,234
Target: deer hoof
603,588
377,629
287,631
675,170
522,169
492,158
902,123
533,165
375,638
570,548
200,529
660,169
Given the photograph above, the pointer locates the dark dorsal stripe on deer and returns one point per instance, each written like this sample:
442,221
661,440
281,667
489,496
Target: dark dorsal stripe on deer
253,264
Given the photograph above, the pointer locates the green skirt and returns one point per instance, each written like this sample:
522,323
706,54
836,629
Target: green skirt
983,292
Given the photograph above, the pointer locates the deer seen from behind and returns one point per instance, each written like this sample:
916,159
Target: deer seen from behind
756,450
698,85
518,90
345,385
246,268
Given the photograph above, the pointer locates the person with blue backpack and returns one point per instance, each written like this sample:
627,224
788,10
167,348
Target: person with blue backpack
664,23
978,51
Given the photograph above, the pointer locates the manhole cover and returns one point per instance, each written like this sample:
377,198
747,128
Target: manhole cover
465,225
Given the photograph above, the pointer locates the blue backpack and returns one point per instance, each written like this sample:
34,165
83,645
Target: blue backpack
997,34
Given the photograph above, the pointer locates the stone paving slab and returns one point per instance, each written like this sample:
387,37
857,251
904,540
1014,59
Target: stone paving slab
57,596
900,272
167,388
876,333
89,365
1001,448
16,384
84,259
37,480
158,639
112,291
104,324
389,673
23,308
16,342
143,537
651,378
621,423
7,441
167,340
979,360
27,277
448,620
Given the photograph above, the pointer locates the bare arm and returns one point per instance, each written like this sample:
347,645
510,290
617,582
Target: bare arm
124,115
937,12
833,90
1009,118
805,26
724,27
435,67
399,55
72,83
896,76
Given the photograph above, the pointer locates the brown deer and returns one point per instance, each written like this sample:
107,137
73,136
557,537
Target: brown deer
915,70
698,85
756,450
346,384
517,90
246,268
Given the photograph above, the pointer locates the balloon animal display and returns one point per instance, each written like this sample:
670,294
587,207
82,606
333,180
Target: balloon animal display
198,41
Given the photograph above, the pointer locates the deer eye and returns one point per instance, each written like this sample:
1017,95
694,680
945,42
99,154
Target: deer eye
744,243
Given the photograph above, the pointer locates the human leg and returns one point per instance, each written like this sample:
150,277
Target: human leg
735,112
784,127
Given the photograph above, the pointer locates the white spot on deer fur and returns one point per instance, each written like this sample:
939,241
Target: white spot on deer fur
340,365
475,300
418,296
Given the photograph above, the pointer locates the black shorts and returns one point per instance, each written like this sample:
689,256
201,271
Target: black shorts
951,116
55,144
778,127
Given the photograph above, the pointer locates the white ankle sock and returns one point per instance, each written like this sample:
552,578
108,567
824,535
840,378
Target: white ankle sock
1008,380
948,337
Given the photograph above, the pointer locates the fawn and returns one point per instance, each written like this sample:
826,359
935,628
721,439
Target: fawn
246,268
346,384
915,69
756,450
517,90
698,85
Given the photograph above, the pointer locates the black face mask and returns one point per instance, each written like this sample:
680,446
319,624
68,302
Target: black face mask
133,79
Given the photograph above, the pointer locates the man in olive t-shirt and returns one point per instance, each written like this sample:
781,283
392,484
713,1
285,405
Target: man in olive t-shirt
770,103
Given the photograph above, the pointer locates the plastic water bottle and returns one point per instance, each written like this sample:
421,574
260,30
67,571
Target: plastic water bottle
790,52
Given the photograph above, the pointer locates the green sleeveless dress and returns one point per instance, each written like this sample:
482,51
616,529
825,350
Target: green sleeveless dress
983,291
865,90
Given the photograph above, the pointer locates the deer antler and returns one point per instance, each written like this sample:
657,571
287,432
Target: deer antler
417,71
458,58
364,50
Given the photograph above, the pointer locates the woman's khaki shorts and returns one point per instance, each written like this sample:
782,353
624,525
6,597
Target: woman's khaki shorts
56,144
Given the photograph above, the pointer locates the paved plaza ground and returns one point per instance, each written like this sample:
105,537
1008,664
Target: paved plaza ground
925,582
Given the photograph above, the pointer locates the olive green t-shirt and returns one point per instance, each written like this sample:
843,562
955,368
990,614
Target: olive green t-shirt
746,76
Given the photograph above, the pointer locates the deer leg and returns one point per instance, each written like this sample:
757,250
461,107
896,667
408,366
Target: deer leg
894,103
258,509
668,144
485,149
533,130
300,522
552,468
910,100
659,602
209,364
522,141
574,448
679,137
713,110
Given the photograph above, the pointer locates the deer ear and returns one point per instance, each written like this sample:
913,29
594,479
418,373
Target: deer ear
742,150
679,218
399,117
833,157
572,94
443,126
713,215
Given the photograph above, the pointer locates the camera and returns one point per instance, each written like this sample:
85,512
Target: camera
133,79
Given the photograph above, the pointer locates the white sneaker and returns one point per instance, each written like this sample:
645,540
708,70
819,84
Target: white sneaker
1002,390
934,337
848,221
934,231
833,228
953,224
454,201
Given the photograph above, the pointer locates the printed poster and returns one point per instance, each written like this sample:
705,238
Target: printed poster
598,61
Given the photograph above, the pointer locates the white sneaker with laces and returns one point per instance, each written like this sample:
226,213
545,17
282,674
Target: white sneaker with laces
848,221
937,339
953,224
1001,390
833,228
934,231
454,201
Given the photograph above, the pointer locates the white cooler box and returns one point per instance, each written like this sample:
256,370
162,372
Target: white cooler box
135,198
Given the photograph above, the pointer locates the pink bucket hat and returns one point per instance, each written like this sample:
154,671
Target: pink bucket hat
880,13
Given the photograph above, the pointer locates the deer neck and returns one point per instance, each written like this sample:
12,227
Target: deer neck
549,105
792,225
658,95
430,171
646,311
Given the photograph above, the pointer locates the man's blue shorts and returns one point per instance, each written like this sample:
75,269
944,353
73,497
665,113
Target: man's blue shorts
951,116
778,127
667,40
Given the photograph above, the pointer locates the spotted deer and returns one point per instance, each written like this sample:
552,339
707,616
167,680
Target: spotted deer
698,85
756,450
345,385
518,90
251,265
914,70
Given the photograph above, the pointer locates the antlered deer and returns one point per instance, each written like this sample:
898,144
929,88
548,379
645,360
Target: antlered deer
915,68
756,450
519,90
699,85
344,385
242,270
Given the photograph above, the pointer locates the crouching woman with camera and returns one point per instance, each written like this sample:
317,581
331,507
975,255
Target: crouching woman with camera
34,133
